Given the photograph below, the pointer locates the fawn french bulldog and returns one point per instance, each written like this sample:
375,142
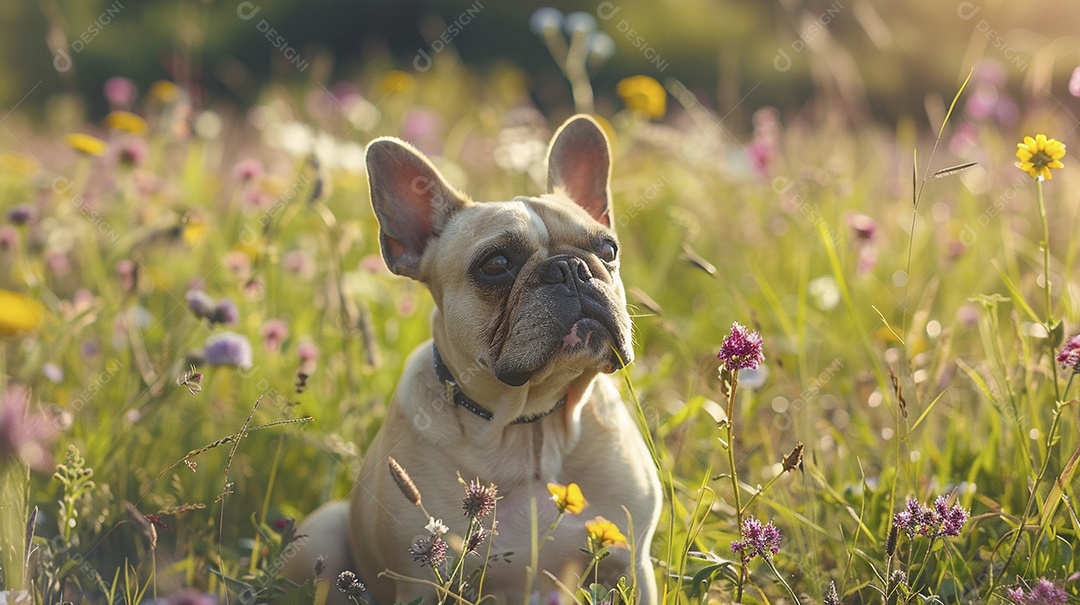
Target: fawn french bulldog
513,388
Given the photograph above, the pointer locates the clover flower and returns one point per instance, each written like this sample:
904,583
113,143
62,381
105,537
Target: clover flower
430,551
348,583
568,498
603,533
741,349
1045,592
1037,156
1069,356
479,499
757,540
643,95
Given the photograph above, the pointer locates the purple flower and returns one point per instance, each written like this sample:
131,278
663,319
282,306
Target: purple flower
132,152
225,313
21,214
1045,592
1069,357
274,332
941,521
863,228
200,303
430,551
741,349
757,540
120,92
248,170
23,434
479,499
228,349
348,583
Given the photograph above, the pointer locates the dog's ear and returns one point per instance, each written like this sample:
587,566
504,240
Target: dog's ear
411,199
579,166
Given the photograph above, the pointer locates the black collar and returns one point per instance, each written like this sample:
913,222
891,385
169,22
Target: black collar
458,397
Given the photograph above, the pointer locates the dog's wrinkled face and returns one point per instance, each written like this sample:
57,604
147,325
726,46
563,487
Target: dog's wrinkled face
525,287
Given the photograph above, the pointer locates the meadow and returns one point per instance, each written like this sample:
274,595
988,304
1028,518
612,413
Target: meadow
199,336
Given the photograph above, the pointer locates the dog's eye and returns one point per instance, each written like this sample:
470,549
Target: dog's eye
607,251
495,265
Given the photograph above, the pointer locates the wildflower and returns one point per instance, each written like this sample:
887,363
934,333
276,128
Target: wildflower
568,498
941,521
20,313
603,533
132,153
757,540
228,349
9,237
436,527
863,228
200,303
479,500
86,144
165,91
125,121
1045,592
643,95
579,22
248,170
120,92
1069,356
952,518
831,598
21,214
274,332
1037,156
546,20
476,538
225,313
741,349
24,435
53,372
191,379
1074,83
348,583
309,356
430,551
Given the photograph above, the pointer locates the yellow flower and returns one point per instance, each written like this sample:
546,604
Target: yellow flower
568,498
19,163
20,313
643,94
84,143
125,121
604,533
165,91
397,81
1037,156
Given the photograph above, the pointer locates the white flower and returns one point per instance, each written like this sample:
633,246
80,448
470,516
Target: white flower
436,527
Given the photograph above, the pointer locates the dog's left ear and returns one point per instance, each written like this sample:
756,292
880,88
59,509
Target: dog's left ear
579,166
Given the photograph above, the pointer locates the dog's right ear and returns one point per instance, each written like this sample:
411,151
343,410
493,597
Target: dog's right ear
411,199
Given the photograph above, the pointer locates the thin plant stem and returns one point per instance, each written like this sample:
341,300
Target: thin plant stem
730,430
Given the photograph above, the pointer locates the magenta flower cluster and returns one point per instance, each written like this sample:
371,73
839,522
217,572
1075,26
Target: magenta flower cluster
1069,356
741,349
1044,592
757,540
940,521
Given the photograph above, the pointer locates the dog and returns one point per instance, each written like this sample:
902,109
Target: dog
513,389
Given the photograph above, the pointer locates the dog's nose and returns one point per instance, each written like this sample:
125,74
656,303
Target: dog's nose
566,270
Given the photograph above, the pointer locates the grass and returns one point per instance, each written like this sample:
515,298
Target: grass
910,365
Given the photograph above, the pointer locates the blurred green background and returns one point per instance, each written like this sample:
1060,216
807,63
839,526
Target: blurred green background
883,57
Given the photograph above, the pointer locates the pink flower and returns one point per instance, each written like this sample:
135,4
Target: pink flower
1069,356
120,92
274,332
741,349
309,356
24,435
248,170
1074,83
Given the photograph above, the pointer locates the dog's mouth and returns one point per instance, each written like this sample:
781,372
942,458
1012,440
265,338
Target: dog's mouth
588,343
